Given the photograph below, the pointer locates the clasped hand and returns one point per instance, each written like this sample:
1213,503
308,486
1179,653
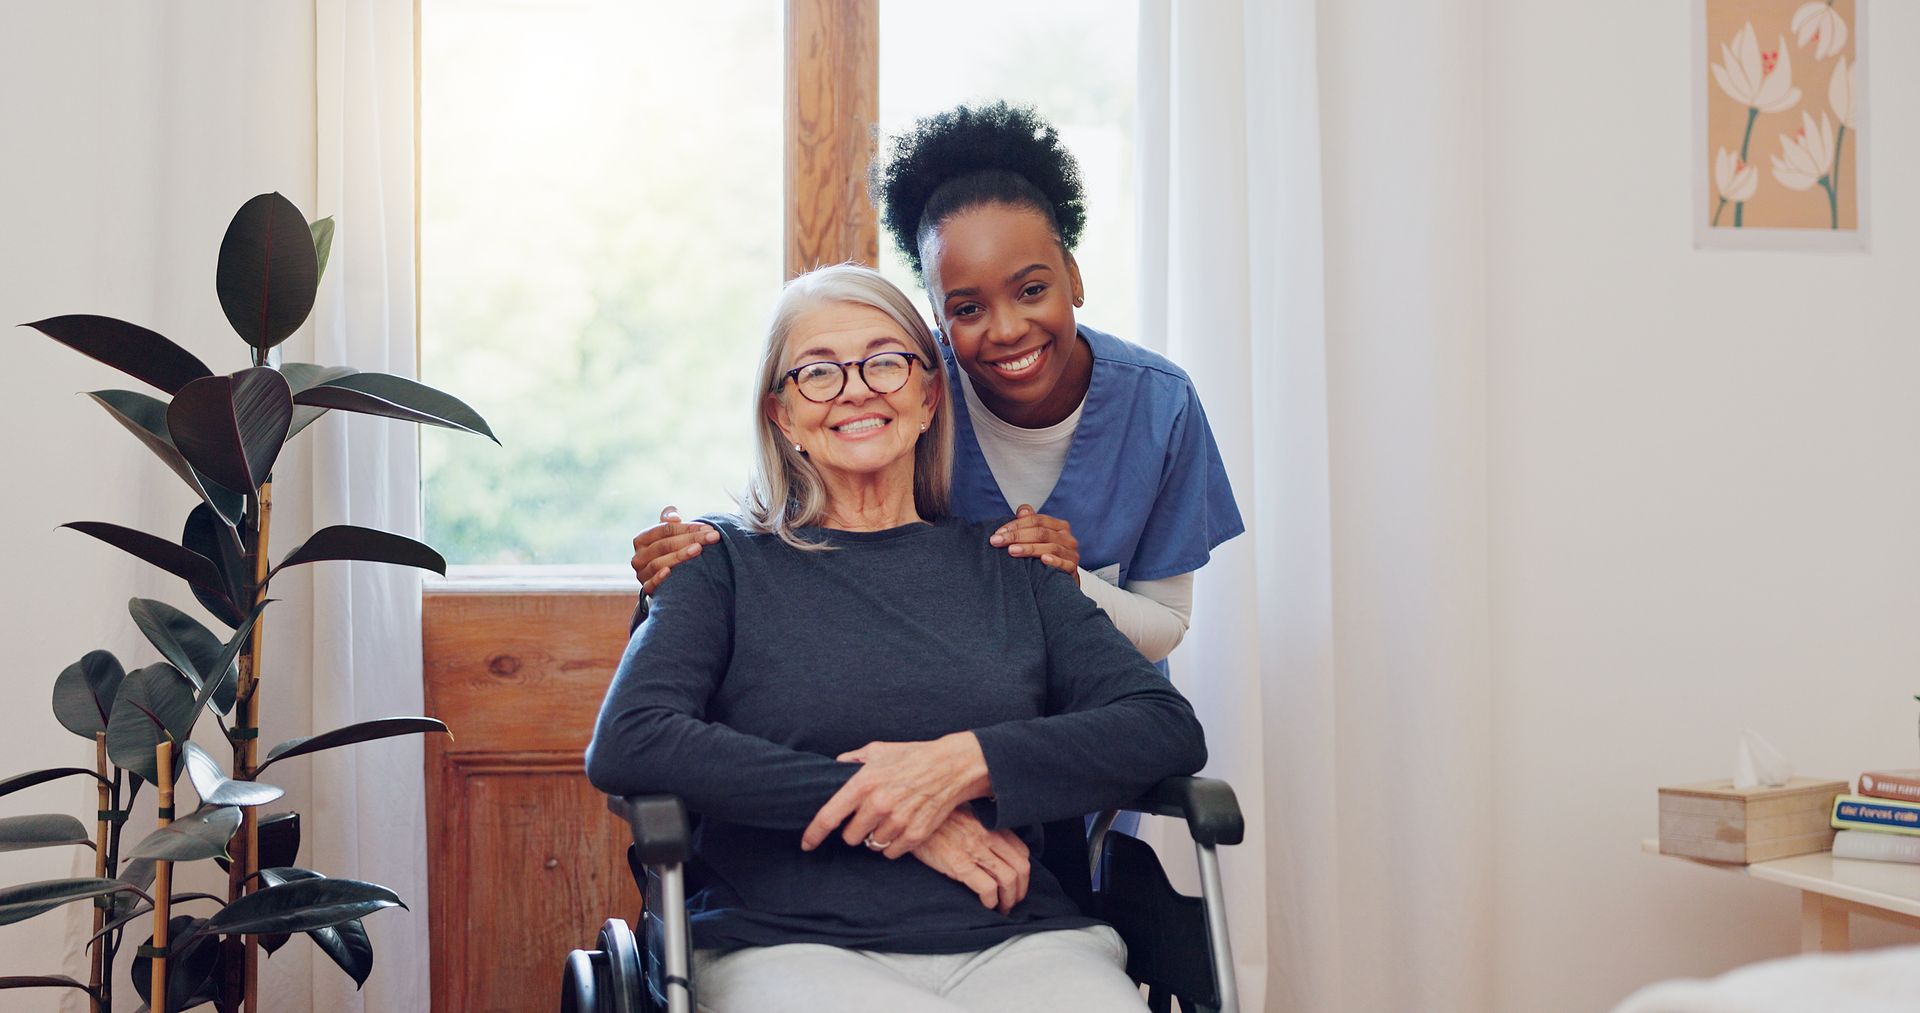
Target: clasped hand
911,797
902,792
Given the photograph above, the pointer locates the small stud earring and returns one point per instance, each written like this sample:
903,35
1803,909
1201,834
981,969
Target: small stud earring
923,427
797,450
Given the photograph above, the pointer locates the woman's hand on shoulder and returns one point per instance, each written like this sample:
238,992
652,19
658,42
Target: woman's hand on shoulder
657,550
1035,535
994,864
901,793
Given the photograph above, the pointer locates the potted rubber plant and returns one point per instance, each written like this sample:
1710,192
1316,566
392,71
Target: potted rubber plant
220,433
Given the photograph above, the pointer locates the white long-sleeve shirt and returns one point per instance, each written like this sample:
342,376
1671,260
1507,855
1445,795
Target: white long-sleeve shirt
1026,464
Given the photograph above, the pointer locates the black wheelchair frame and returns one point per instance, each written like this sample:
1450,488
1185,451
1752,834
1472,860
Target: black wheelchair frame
1177,945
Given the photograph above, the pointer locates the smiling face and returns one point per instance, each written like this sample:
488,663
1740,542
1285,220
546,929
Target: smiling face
858,435
1004,290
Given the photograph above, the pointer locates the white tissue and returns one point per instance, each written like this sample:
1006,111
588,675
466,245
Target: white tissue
1759,763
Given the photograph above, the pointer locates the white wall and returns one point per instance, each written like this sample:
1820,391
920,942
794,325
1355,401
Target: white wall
132,133
1704,495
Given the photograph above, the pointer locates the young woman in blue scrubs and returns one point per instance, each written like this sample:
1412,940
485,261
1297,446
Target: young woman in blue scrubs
1095,450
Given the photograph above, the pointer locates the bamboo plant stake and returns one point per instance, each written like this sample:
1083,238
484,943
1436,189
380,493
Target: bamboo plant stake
96,973
243,956
255,652
162,883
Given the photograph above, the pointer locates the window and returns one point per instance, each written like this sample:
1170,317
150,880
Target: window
602,233
1074,61
600,242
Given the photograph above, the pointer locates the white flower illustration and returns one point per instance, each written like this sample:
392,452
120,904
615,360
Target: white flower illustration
1821,25
1805,157
1736,180
1758,80
1842,91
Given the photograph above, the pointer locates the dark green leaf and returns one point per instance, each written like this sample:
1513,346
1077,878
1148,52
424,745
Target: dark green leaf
192,965
45,830
216,788
396,397
205,534
364,731
271,942
268,270
138,910
302,906
127,347
231,428
83,693
155,705
302,375
19,903
184,563
146,418
33,777
346,944
279,839
208,690
139,873
191,647
40,981
322,246
349,946
346,541
201,834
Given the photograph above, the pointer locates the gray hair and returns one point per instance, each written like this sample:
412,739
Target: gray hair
785,492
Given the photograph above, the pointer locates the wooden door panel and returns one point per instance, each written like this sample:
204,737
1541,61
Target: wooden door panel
524,861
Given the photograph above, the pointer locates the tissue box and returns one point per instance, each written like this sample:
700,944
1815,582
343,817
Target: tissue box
1718,822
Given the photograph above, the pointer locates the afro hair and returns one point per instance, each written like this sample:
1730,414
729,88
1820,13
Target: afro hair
973,155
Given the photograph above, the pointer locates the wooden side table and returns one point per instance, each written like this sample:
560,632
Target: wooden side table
1830,890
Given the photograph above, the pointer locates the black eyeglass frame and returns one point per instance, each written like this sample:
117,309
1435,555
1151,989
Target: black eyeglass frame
793,375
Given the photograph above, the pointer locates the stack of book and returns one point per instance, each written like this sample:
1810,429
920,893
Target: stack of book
1882,822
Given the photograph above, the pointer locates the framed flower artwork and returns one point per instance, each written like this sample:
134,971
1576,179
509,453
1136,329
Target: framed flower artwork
1780,125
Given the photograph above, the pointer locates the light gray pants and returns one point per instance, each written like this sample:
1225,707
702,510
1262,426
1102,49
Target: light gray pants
1040,972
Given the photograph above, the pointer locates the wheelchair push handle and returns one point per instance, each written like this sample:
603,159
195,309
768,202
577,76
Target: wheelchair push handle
659,825
1208,805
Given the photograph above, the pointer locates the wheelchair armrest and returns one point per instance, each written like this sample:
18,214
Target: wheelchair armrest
1208,805
659,824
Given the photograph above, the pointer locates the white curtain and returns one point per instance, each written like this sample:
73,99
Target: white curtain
366,471
1310,254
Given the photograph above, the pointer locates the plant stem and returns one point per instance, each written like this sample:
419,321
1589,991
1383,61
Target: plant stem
102,825
1833,178
1740,207
112,939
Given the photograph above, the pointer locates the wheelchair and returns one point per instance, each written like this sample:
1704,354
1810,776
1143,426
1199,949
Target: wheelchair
1177,945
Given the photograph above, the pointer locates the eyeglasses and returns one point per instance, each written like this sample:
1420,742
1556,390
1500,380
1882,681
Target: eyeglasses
820,382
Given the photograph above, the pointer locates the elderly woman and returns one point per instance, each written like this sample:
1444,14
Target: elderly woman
873,710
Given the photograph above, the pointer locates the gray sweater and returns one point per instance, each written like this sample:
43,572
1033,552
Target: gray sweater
759,663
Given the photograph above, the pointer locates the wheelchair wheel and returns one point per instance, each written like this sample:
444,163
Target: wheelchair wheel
606,980
583,981
626,989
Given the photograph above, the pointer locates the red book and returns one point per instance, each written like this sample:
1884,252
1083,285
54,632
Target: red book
1897,784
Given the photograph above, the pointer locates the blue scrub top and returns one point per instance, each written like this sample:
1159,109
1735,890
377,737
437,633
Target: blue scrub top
1143,484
